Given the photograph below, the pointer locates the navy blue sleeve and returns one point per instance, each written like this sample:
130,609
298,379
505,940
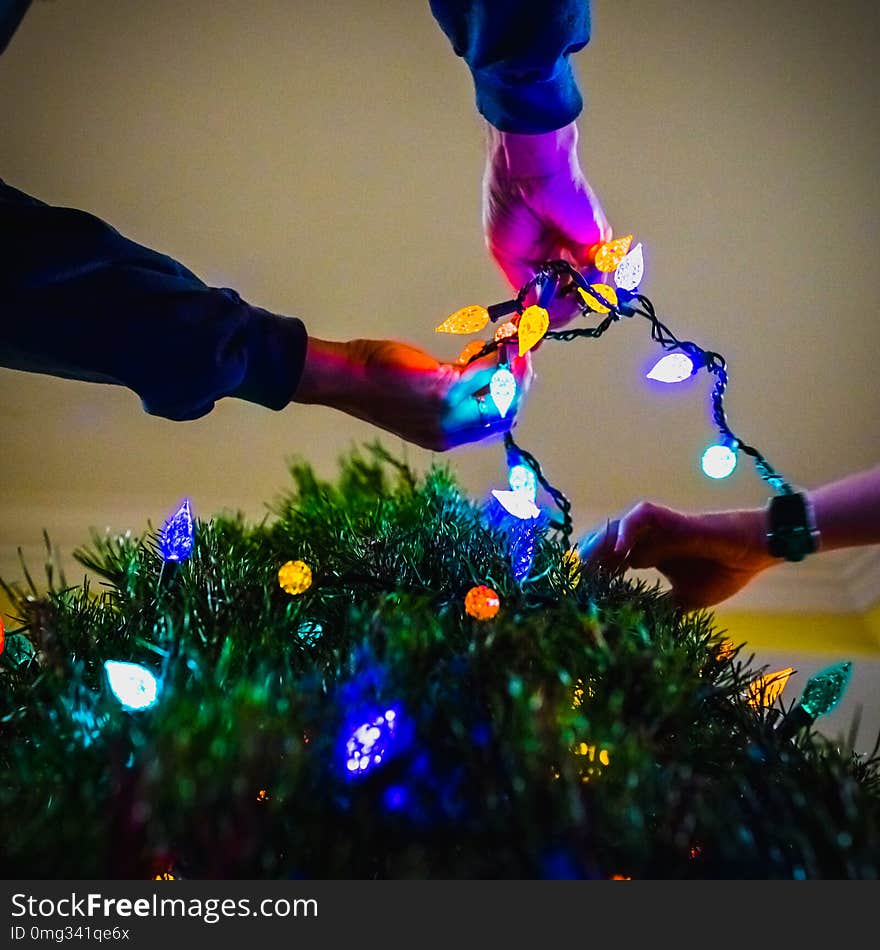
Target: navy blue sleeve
518,53
79,300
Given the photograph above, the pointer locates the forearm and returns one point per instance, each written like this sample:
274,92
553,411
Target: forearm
847,514
848,510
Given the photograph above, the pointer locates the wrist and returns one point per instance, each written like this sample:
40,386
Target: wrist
747,529
530,156
331,374
791,527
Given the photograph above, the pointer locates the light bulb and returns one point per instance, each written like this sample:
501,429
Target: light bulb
502,389
517,503
467,320
134,686
631,269
176,537
672,368
521,478
368,744
718,461
825,689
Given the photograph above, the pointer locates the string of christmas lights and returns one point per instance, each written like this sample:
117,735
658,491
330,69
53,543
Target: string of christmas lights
526,326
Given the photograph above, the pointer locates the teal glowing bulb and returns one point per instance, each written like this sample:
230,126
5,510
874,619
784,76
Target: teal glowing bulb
672,368
718,461
825,689
134,686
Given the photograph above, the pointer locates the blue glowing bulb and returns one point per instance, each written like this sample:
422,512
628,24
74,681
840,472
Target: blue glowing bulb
176,537
718,461
368,744
134,686
672,368
502,389
521,478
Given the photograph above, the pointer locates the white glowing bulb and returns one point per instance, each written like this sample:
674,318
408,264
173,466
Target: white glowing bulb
134,686
502,389
718,461
517,504
631,269
522,479
672,368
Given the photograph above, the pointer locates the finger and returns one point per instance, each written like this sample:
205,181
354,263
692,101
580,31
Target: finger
646,536
596,547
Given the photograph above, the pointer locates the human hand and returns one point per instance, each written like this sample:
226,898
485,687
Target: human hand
706,557
408,392
537,204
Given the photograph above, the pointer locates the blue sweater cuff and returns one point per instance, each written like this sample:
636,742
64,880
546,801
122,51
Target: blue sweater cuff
276,351
528,107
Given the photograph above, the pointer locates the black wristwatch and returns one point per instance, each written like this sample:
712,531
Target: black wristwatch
792,533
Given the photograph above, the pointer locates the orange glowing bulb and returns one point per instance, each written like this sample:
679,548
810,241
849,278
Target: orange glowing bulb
609,255
765,690
470,351
482,602
505,332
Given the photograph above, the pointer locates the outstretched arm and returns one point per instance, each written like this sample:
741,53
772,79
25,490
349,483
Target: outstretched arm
537,203
707,557
81,301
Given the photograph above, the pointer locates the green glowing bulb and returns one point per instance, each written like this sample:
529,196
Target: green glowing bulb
825,689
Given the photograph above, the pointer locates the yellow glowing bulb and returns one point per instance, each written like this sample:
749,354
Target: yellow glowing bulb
594,303
467,320
533,324
262,795
765,690
295,577
571,565
725,650
611,254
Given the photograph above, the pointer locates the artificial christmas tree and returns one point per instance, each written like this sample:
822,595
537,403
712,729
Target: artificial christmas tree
323,695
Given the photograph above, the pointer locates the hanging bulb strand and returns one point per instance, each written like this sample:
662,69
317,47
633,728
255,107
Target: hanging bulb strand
714,363
566,526
717,367
558,277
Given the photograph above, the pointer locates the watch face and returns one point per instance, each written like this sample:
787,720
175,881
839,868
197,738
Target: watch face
792,533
